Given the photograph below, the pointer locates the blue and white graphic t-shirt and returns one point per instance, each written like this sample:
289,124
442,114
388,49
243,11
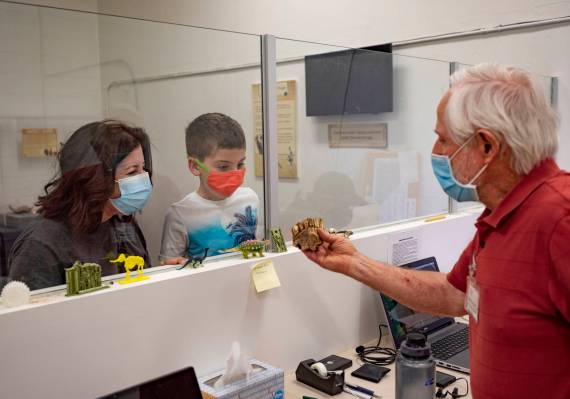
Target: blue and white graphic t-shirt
194,224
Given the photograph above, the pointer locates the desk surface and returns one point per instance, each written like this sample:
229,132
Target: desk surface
385,388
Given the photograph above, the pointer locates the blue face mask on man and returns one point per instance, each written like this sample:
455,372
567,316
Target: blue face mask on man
460,192
135,192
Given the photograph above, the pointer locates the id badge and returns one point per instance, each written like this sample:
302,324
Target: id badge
472,298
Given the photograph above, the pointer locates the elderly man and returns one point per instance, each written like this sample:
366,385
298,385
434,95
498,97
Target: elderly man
496,139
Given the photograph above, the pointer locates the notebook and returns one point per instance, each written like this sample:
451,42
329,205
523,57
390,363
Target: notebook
448,338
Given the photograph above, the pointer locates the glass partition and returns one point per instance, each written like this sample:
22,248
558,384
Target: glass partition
360,136
62,70
355,129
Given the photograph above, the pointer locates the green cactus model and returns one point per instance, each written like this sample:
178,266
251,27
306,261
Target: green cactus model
82,278
277,241
249,247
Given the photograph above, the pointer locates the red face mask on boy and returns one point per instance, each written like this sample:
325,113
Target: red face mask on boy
224,183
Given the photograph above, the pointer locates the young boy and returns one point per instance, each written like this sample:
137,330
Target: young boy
220,214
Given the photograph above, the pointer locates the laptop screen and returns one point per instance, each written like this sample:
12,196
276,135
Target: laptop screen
403,320
182,384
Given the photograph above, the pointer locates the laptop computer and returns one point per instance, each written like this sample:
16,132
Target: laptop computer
449,339
181,384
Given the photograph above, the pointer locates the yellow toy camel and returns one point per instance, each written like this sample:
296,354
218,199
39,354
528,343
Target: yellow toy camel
131,262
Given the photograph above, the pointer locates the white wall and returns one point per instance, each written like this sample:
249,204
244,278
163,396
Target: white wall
341,22
82,5
49,77
92,345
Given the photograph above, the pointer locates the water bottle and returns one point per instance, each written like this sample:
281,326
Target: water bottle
415,369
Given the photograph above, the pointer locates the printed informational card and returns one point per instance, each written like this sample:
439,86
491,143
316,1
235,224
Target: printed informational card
286,129
404,247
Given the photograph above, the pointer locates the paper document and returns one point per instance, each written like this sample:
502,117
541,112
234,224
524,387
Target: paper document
264,276
404,247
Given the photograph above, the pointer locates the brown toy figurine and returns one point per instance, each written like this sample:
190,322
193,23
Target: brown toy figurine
305,234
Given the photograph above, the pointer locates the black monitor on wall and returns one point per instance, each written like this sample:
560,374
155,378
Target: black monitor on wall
358,81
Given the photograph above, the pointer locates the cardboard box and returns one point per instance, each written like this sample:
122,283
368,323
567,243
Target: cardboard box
265,382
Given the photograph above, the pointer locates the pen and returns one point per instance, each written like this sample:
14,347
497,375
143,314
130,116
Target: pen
433,219
360,389
356,393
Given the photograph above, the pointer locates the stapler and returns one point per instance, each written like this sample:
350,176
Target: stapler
316,375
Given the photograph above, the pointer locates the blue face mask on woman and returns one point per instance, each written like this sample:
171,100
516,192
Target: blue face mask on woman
460,192
135,192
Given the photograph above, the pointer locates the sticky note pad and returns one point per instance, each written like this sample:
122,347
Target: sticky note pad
264,276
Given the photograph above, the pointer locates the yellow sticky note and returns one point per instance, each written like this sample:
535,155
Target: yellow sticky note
264,276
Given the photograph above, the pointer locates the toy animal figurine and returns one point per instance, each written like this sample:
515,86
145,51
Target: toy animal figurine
346,233
305,235
131,262
249,247
277,241
195,262
82,278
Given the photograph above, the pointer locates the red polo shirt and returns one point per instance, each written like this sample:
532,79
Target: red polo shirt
520,347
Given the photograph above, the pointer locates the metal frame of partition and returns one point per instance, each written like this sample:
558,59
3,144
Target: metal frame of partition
269,112
452,205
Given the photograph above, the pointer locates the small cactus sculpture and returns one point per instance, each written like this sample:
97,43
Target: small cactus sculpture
82,278
277,241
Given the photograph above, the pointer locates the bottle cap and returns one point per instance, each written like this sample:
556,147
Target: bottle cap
416,346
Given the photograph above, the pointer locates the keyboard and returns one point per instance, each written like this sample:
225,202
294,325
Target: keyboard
451,345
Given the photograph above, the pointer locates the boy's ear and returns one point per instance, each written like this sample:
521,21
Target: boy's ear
193,167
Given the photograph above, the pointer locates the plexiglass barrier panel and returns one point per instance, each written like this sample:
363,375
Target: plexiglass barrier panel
63,72
356,135
167,76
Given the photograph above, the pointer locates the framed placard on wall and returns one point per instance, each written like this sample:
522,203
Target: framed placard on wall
39,142
286,129
358,135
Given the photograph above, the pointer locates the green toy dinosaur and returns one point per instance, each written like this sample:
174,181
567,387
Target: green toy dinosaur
249,247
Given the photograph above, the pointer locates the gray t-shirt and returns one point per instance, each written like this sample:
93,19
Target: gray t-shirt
44,249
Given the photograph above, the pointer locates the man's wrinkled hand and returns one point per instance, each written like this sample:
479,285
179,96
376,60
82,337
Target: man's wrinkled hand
335,253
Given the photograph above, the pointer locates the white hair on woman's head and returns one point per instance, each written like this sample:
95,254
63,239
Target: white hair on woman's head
508,102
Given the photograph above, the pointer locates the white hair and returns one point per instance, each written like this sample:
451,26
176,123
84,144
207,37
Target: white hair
510,103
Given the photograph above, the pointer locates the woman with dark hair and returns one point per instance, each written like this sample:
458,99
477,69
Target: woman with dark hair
87,212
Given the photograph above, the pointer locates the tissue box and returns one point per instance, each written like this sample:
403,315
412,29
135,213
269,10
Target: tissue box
265,382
